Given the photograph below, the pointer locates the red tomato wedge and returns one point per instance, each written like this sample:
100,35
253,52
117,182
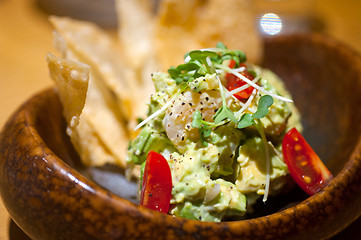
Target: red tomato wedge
157,183
234,82
305,167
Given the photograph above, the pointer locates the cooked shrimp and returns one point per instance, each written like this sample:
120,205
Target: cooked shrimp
179,116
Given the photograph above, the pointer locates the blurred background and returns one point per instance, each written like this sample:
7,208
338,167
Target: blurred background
26,37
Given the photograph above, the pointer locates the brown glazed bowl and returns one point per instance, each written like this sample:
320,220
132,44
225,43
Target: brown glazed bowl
45,190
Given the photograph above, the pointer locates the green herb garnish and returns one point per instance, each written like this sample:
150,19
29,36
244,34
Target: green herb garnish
204,127
222,114
201,57
264,103
247,119
198,66
184,72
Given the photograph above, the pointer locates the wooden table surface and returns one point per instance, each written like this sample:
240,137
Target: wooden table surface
26,36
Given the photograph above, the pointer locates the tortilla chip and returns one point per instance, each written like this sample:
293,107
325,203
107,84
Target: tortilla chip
89,145
194,24
90,122
71,79
136,21
92,46
101,136
235,25
174,31
101,126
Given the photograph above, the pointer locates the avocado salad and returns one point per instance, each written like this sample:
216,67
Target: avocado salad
219,122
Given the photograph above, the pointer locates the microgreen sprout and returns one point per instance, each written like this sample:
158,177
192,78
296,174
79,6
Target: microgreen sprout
223,113
204,127
201,56
248,119
185,72
196,63
226,54
264,103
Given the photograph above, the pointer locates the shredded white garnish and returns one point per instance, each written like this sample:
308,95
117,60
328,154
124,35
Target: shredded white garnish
221,89
218,71
239,102
268,167
210,64
261,89
247,104
275,150
240,69
156,113
268,163
249,82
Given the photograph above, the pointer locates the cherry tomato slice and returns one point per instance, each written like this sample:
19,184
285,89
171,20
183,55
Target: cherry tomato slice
234,82
157,183
305,167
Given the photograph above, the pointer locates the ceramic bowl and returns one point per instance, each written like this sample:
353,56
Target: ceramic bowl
49,195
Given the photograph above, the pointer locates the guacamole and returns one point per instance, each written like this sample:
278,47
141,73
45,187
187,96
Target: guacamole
223,149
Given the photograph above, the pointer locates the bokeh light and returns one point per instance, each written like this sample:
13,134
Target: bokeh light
271,23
